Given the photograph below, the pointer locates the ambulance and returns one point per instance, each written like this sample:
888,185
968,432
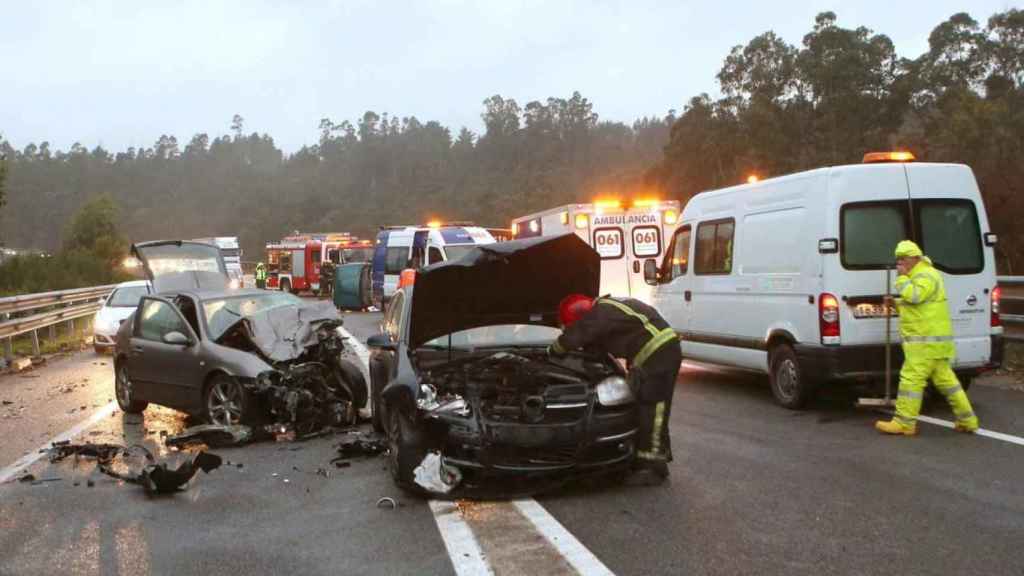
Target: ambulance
624,235
401,247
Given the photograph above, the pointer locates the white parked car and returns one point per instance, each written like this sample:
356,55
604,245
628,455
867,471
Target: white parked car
787,276
119,305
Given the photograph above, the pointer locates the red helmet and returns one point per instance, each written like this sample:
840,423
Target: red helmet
573,307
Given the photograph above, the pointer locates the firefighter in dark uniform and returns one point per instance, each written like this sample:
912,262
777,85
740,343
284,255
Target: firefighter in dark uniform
327,279
627,328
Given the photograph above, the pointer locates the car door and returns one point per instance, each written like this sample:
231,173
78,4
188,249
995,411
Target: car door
673,296
164,372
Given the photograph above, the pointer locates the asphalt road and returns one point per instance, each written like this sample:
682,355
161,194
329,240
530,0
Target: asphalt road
755,489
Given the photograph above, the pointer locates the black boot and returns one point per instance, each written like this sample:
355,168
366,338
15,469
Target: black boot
648,473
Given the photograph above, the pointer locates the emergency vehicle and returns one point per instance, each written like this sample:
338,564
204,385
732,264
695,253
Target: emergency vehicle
345,249
786,276
232,255
402,247
624,235
293,265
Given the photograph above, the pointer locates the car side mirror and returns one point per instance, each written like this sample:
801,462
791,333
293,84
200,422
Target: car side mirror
177,339
651,272
381,342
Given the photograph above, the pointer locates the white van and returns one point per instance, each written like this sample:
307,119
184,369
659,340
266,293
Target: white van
625,236
786,276
401,247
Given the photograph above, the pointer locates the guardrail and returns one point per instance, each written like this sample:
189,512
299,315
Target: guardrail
50,309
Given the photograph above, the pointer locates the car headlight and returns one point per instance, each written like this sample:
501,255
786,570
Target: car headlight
614,391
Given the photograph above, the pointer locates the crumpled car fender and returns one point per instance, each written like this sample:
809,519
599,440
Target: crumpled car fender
402,391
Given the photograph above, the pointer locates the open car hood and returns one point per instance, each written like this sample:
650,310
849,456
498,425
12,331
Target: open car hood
176,265
517,282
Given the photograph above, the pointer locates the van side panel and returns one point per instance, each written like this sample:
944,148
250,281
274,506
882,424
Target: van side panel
775,270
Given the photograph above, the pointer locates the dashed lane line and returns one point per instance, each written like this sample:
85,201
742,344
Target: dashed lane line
31,458
463,549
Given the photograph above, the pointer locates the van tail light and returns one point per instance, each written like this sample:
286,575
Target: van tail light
828,318
997,296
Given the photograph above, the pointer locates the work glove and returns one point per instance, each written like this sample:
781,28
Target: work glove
554,352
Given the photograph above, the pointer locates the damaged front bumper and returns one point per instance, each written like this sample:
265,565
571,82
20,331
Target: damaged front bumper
570,438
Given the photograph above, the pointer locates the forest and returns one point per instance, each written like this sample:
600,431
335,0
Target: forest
780,108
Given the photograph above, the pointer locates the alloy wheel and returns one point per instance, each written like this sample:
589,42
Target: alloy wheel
224,403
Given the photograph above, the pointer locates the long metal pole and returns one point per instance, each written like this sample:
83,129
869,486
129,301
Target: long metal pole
888,337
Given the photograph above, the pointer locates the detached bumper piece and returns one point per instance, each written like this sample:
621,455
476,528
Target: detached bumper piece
155,478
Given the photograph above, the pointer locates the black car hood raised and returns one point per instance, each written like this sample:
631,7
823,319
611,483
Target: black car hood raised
283,333
176,265
517,282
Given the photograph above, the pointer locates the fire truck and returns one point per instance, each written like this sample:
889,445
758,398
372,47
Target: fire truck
293,265
344,248
624,235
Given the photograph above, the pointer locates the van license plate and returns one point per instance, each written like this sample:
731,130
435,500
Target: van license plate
872,311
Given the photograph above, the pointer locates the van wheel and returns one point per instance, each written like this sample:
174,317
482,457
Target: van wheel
790,386
286,286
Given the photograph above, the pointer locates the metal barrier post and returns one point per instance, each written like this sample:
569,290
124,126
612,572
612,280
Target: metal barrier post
35,343
9,349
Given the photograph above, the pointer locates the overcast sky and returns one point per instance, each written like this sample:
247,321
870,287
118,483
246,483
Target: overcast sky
120,74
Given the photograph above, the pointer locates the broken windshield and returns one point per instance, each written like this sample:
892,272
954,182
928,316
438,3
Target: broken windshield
223,313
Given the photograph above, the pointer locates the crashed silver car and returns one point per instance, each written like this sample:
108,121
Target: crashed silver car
231,356
464,388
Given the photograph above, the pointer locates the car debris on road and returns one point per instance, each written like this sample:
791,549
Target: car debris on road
155,478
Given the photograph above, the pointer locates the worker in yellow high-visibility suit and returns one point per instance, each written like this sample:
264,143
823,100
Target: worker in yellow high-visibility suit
928,348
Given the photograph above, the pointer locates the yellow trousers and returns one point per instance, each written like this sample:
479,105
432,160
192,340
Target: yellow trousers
914,379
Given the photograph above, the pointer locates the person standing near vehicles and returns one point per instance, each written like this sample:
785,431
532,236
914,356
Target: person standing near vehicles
628,328
327,279
261,275
928,348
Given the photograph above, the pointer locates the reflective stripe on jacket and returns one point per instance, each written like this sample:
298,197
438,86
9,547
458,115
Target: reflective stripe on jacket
925,325
623,327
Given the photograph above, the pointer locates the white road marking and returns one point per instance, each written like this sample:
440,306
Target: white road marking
463,549
568,546
979,432
30,458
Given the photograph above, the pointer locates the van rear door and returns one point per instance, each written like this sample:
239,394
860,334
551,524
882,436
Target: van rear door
873,216
949,219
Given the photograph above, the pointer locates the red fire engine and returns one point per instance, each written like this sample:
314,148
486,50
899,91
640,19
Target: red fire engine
293,265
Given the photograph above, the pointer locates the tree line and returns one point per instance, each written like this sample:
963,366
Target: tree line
845,92
782,108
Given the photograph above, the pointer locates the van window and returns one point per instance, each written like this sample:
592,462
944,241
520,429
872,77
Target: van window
714,247
678,259
869,233
435,255
396,259
950,235
946,229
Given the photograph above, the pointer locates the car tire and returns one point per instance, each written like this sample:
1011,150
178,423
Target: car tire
407,448
355,381
790,386
225,401
125,392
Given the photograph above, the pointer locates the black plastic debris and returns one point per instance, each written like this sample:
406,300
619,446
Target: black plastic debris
155,478
27,478
357,445
213,435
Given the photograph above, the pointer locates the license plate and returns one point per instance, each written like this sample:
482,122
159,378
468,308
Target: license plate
872,311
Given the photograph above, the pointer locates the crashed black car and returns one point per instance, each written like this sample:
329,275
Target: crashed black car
464,388
231,356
